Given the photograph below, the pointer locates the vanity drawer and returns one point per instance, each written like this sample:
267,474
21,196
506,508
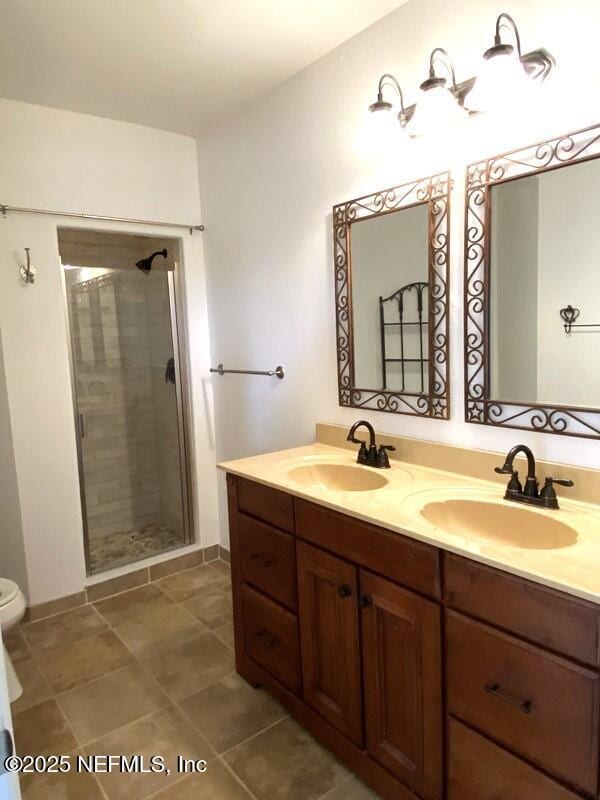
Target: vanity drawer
267,504
413,564
479,770
544,616
268,560
271,637
537,704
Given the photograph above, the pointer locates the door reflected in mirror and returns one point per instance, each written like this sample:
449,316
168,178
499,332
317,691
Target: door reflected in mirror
544,256
390,300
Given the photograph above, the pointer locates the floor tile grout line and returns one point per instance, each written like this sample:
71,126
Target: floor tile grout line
255,735
171,702
83,683
162,789
125,725
237,778
36,650
89,602
68,724
95,680
333,789
133,655
147,672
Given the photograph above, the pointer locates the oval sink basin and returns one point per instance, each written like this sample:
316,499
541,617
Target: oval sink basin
509,525
338,477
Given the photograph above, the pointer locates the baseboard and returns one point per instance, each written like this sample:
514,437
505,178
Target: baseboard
122,583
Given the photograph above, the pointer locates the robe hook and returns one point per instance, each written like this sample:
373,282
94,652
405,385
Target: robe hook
27,271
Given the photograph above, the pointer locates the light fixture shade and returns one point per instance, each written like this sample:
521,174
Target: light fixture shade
436,110
502,84
384,128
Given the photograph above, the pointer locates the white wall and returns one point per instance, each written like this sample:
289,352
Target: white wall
12,548
270,178
73,162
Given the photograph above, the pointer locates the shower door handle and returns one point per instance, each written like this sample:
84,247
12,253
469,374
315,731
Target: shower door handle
81,419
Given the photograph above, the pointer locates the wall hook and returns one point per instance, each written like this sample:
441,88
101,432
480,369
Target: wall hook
27,271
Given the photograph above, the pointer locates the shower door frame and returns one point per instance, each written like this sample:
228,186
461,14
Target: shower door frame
182,395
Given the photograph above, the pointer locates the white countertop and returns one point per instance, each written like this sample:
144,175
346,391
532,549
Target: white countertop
574,568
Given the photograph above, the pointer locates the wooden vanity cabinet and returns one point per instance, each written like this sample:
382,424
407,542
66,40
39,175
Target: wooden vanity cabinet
328,612
402,666
480,686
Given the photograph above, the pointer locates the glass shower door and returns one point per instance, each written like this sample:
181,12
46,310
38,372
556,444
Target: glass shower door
129,413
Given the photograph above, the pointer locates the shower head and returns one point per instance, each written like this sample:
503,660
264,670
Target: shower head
145,264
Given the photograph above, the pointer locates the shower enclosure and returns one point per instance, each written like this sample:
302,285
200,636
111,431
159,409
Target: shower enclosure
128,394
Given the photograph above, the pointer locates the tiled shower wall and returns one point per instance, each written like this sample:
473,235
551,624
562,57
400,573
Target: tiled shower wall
121,342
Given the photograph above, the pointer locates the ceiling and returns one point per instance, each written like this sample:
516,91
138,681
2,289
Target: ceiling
179,65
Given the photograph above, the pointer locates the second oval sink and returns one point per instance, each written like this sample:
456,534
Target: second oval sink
338,477
499,524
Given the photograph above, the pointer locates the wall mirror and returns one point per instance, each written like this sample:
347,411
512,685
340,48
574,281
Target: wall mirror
391,280
532,287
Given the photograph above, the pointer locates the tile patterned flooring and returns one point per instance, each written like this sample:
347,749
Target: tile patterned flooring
151,672
125,547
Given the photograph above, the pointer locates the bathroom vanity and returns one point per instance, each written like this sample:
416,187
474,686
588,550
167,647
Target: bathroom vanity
425,671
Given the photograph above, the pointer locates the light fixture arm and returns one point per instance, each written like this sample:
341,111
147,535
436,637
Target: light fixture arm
442,57
389,80
507,22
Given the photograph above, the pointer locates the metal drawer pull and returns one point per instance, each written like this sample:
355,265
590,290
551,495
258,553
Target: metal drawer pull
266,637
260,557
526,706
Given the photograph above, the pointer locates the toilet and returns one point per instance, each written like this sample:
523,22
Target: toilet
12,610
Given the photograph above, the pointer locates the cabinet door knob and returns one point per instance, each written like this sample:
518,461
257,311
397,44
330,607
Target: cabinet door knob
345,591
364,601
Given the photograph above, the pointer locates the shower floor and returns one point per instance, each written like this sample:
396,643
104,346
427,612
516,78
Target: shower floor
125,547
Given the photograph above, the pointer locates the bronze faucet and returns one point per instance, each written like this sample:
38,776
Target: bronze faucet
371,457
530,493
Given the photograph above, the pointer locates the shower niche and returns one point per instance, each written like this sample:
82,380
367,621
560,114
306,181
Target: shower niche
129,392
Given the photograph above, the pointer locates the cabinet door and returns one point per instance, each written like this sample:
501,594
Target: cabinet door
401,636
328,611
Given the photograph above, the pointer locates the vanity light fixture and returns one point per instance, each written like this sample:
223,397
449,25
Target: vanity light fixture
438,106
507,76
383,117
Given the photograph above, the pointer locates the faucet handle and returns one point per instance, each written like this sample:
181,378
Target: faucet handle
559,481
383,461
548,495
548,490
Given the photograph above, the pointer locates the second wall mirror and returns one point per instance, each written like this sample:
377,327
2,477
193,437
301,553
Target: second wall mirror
391,280
532,287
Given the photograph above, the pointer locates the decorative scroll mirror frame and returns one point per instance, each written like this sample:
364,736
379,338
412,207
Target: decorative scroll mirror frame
434,191
551,154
